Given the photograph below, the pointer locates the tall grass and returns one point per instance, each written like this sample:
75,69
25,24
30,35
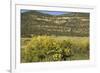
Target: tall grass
47,48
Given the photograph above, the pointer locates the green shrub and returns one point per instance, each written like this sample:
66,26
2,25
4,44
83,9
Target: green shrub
46,48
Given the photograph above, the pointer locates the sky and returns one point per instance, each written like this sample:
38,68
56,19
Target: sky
48,12
53,12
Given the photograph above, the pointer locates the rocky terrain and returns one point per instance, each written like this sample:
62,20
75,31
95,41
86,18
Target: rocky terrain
72,24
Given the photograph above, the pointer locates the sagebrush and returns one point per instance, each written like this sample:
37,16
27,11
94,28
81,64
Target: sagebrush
47,48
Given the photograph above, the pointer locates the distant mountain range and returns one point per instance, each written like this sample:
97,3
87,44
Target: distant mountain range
71,24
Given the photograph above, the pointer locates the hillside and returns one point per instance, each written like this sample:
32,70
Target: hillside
72,24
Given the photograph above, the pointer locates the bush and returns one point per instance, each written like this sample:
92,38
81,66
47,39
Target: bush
45,48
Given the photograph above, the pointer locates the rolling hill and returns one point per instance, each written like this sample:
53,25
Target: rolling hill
37,23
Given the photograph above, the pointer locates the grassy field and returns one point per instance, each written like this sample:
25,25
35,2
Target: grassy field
81,43
54,48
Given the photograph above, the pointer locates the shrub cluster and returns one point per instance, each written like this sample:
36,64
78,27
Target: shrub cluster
46,48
